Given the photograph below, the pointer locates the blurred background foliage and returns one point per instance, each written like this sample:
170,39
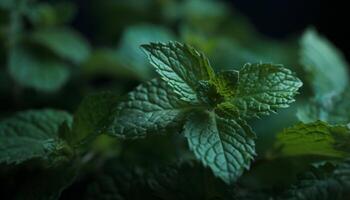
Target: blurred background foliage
55,52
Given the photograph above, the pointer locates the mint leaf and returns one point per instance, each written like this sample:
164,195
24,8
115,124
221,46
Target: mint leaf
318,138
151,108
45,74
180,66
225,145
32,134
90,118
65,43
318,56
262,89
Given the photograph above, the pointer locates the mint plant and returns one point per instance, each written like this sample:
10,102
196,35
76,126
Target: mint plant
87,113
210,109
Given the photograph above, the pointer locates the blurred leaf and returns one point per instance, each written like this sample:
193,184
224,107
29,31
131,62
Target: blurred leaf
64,42
311,112
318,138
129,50
107,62
334,109
7,4
41,73
203,14
284,118
126,12
44,14
318,56
33,135
326,182
90,118
227,52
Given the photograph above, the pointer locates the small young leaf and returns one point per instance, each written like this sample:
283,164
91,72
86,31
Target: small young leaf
44,74
226,81
225,145
318,138
180,66
151,108
65,43
262,89
32,134
318,56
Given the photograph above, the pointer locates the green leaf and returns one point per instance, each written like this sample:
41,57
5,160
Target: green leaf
226,81
32,134
129,48
225,145
7,4
326,182
331,92
262,89
53,14
340,114
41,73
64,42
107,62
334,110
311,112
319,56
90,118
180,66
151,108
318,138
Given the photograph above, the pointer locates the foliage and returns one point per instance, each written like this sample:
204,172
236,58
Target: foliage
171,99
